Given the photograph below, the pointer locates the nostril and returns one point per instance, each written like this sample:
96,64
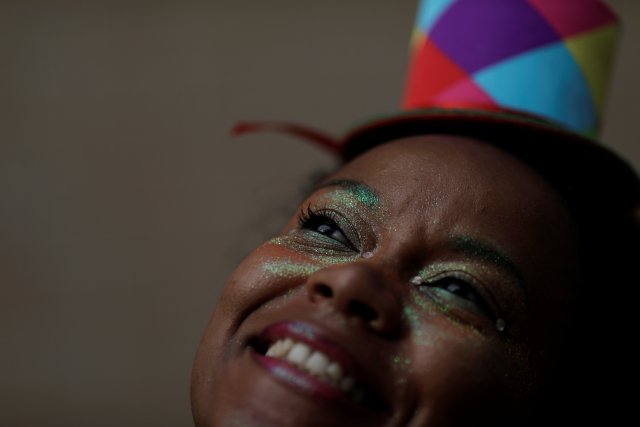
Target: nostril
361,310
324,290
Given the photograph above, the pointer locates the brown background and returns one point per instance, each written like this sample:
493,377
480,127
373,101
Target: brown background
123,201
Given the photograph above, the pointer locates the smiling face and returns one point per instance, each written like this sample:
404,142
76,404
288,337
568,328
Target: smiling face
424,283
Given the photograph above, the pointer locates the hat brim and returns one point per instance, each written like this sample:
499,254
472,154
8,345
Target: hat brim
577,165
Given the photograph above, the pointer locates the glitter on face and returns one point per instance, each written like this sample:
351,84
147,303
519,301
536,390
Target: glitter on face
364,194
289,269
322,254
351,196
401,367
416,325
499,285
400,361
489,253
437,268
421,301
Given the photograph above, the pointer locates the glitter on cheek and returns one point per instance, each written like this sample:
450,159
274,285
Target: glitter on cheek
401,366
423,310
278,241
288,269
321,255
416,325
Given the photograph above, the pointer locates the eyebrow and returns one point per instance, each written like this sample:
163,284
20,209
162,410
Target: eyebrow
484,251
364,193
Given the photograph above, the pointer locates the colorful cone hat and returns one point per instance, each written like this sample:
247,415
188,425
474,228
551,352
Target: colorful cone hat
529,76
547,58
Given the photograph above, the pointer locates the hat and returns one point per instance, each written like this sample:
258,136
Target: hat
548,58
529,76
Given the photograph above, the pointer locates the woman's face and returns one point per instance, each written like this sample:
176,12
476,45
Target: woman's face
424,283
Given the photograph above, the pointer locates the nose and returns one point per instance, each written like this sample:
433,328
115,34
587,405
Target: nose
359,292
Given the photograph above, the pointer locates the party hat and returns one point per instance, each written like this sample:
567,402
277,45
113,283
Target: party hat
547,58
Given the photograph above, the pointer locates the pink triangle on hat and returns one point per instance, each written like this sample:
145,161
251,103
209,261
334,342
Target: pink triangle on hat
466,92
570,17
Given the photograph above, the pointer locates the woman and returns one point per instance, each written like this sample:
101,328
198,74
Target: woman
442,276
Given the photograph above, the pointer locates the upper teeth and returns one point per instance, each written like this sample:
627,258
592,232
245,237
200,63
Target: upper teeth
315,362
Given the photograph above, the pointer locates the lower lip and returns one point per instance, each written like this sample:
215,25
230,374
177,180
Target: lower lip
302,381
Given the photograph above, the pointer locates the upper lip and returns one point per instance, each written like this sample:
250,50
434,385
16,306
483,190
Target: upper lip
319,339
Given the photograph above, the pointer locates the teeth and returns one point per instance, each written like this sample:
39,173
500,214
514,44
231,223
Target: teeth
280,348
334,371
299,354
317,363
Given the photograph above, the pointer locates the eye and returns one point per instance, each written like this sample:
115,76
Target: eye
456,287
324,223
459,288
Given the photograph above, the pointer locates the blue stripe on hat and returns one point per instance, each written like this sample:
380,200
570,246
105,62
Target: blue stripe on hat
562,92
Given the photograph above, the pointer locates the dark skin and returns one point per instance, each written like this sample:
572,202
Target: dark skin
468,340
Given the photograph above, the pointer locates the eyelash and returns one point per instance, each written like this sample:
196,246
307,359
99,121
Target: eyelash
310,219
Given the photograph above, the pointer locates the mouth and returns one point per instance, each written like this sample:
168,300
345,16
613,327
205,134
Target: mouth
298,355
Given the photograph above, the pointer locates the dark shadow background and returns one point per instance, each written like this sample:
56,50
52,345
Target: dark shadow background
124,202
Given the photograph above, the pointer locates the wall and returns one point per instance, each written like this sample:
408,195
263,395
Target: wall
124,203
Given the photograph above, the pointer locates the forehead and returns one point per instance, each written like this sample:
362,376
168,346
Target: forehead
439,170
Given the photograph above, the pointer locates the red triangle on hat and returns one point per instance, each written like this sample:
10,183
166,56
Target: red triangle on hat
430,72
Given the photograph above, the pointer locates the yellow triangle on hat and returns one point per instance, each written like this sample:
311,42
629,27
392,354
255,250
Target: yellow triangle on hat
418,38
594,54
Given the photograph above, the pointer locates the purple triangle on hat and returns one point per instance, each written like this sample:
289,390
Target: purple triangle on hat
477,33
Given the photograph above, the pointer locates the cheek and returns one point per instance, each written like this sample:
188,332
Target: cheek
265,277
454,377
455,362
267,274
454,368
